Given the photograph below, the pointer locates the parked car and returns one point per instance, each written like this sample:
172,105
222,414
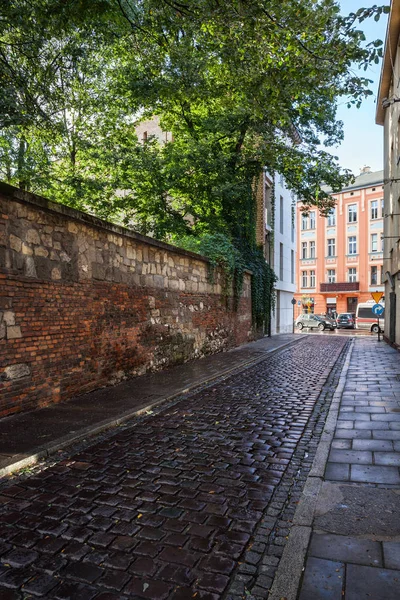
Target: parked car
346,321
328,318
311,321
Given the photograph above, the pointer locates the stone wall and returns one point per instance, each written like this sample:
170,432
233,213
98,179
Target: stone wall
85,304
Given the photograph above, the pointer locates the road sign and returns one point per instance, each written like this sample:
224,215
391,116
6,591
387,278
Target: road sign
377,296
378,309
298,302
293,301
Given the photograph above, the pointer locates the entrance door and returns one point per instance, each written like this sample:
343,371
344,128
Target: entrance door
352,305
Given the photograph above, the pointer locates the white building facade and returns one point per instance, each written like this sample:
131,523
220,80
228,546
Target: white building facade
388,115
284,257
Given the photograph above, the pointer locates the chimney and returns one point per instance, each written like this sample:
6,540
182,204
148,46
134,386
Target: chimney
365,170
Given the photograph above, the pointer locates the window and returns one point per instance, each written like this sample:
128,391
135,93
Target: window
374,209
312,249
332,218
352,275
144,136
382,242
374,242
352,244
382,275
292,266
304,279
293,216
331,248
312,220
281,262
304,221
312,279
352,213
281,214
331,275
303,249
382,207
374,275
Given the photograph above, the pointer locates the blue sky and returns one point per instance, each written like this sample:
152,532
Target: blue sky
363,141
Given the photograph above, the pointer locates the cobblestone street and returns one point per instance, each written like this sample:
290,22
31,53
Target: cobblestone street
192,501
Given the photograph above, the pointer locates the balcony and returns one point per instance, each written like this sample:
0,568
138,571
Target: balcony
345,286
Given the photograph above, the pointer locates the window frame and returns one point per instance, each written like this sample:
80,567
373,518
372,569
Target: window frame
331,275
352,213
351,275
331,247
353,241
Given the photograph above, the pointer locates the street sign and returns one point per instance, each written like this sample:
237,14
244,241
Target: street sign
298,302
293,301
377,296
378,309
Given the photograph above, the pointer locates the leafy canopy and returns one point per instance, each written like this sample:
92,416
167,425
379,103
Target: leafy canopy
241,84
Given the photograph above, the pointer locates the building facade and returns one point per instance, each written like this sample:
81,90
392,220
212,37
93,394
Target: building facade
276,233
340,257
388,115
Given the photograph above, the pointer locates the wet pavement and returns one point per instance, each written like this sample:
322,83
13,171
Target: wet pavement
192,501
354,551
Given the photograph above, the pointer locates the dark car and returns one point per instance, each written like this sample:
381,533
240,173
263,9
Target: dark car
346,321
311,321
328,319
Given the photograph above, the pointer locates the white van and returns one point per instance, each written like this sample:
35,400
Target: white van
365,318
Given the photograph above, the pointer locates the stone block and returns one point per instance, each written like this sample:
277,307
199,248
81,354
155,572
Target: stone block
30,269
55,274
9,317
27,250
14,332
72,227
2,331
16,371
32,237
41,251
15,243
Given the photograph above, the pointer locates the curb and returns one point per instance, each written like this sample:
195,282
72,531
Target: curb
288,575
53,447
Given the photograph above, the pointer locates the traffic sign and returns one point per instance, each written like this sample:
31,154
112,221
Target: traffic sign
377,296
298,302
378,309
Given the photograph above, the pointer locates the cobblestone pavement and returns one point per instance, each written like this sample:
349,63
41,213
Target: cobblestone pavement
193,501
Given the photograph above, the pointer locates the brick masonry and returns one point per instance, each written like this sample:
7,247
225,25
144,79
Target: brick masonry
86,304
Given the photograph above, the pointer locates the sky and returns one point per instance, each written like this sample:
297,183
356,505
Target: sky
363,139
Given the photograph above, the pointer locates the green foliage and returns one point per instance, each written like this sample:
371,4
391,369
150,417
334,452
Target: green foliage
233,260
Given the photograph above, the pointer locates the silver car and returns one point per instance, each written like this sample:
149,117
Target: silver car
311,321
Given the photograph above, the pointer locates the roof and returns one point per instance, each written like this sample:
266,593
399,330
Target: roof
389,56
363,180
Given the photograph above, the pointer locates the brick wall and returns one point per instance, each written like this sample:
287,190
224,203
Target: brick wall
85,304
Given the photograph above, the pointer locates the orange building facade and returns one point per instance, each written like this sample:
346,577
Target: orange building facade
340,257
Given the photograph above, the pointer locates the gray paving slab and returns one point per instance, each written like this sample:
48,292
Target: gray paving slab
323,580
345,549
367,583
391,555
374,474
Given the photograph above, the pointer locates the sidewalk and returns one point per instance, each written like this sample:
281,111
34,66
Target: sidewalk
345,539
27,437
